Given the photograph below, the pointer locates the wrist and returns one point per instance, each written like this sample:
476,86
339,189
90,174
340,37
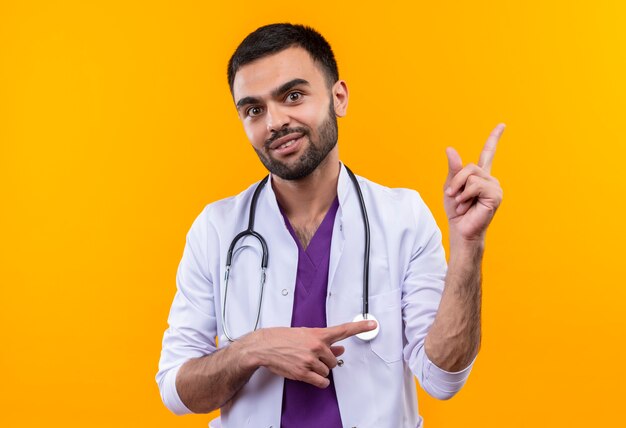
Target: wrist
245,347
465,254
460,243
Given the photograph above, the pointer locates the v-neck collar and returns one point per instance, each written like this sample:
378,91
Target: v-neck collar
318,246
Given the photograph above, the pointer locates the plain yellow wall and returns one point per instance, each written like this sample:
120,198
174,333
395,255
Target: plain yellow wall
117,127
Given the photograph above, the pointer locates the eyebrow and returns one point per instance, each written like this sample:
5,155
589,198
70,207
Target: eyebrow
275,92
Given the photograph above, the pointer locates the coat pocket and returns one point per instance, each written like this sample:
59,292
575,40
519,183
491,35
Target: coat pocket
387,309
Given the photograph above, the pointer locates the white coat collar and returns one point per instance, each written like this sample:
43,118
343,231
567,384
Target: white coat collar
343,187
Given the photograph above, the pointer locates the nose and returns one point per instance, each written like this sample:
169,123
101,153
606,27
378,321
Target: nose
276,118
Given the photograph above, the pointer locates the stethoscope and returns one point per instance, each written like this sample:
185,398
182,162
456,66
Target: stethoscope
364,315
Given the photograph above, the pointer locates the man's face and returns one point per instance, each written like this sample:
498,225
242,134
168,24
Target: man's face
288,111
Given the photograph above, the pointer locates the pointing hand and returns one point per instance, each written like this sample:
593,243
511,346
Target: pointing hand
304,354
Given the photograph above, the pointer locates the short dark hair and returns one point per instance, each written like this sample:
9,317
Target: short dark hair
274,38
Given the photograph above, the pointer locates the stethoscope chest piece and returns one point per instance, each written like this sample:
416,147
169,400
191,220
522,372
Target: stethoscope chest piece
367,335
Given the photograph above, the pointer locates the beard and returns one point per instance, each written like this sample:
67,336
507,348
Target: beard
312,157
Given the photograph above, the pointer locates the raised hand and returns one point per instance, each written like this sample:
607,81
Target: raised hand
471,194
304,354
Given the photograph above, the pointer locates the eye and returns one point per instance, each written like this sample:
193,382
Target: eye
253,111
294,96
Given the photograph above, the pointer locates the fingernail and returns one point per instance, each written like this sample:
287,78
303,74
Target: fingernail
449,191
371,324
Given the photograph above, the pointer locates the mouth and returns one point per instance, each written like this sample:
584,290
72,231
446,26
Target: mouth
288,148
286,141
287,144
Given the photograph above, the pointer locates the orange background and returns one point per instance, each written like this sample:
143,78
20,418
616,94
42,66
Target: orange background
117,127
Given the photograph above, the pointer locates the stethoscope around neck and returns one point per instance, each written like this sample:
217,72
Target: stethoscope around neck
364,315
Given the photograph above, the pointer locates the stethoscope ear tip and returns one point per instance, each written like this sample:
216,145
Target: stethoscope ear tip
367,335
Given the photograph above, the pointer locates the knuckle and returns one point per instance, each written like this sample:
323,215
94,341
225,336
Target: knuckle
317,347
323,383
318,383
321,333
312,379
315,382
324,371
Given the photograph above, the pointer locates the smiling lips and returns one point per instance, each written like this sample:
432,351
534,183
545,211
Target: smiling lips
286,141
284,146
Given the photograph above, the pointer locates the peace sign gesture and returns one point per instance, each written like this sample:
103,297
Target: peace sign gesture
471,194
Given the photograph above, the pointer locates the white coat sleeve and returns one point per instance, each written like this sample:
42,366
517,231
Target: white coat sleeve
192,320
421,294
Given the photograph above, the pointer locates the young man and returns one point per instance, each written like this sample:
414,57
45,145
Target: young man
288,352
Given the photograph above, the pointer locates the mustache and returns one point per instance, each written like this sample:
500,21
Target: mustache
286,131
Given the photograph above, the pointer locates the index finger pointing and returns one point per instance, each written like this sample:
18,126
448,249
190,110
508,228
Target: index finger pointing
343,331
489,150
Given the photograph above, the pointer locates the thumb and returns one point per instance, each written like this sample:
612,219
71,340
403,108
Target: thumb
455,164
337,350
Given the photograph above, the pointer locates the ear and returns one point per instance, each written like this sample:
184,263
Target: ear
340,98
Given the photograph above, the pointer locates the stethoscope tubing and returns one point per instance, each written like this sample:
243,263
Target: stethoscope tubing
265,253
366,256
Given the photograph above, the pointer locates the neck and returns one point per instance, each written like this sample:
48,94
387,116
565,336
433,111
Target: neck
311,196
